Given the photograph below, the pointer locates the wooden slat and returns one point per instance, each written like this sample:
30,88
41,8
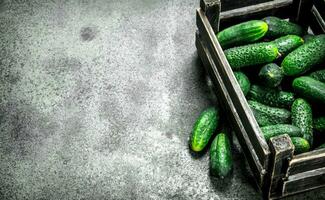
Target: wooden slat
320,5
317,23
255,8
307,161
304,181
228,107
212,9
242,108
281,8
282,151
302,14
231,4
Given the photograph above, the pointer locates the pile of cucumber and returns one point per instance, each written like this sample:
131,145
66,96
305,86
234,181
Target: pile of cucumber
281,71
220,150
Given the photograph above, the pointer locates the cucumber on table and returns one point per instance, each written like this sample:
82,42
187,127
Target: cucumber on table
302,117
305,57
266,115
242,33
271,75
271,97
288,43
251,54
243,82
278,27
280,129
220,156
319,124
301,145
309,88
318,75
204,128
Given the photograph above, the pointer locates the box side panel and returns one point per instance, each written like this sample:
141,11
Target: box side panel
233,88
307,162
304,181
281,8
228,106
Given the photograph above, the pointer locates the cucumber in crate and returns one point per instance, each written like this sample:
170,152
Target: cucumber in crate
279,121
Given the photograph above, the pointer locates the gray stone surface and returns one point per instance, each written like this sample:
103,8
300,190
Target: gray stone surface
98,99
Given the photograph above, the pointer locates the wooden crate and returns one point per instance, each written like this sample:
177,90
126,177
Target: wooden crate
278,172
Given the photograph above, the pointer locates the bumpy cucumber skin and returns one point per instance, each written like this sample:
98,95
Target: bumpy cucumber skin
302,117
305,57
309,88
280,129
301,145
251,54
318,75
243,82
204,128
242,33
220,156
271,97
278,27
288,43
266,115
271,75
319,124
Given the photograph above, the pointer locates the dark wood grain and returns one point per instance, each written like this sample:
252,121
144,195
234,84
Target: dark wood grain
231,4
212,9
304,181
307,161
282,9
282,151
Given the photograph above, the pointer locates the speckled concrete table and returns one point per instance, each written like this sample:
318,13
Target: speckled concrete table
98,99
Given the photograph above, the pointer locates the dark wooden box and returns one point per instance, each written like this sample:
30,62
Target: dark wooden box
277,170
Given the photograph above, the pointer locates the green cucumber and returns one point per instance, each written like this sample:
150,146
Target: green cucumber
301,145
204,128
271,75
271,97
305,57
220,156
309,88
266,115
243,33
280,129
243,82
288,43
319,124
321,146
251,54
302,117
278,27
318,75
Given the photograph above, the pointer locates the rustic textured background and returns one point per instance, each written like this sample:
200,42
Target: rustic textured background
98,99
